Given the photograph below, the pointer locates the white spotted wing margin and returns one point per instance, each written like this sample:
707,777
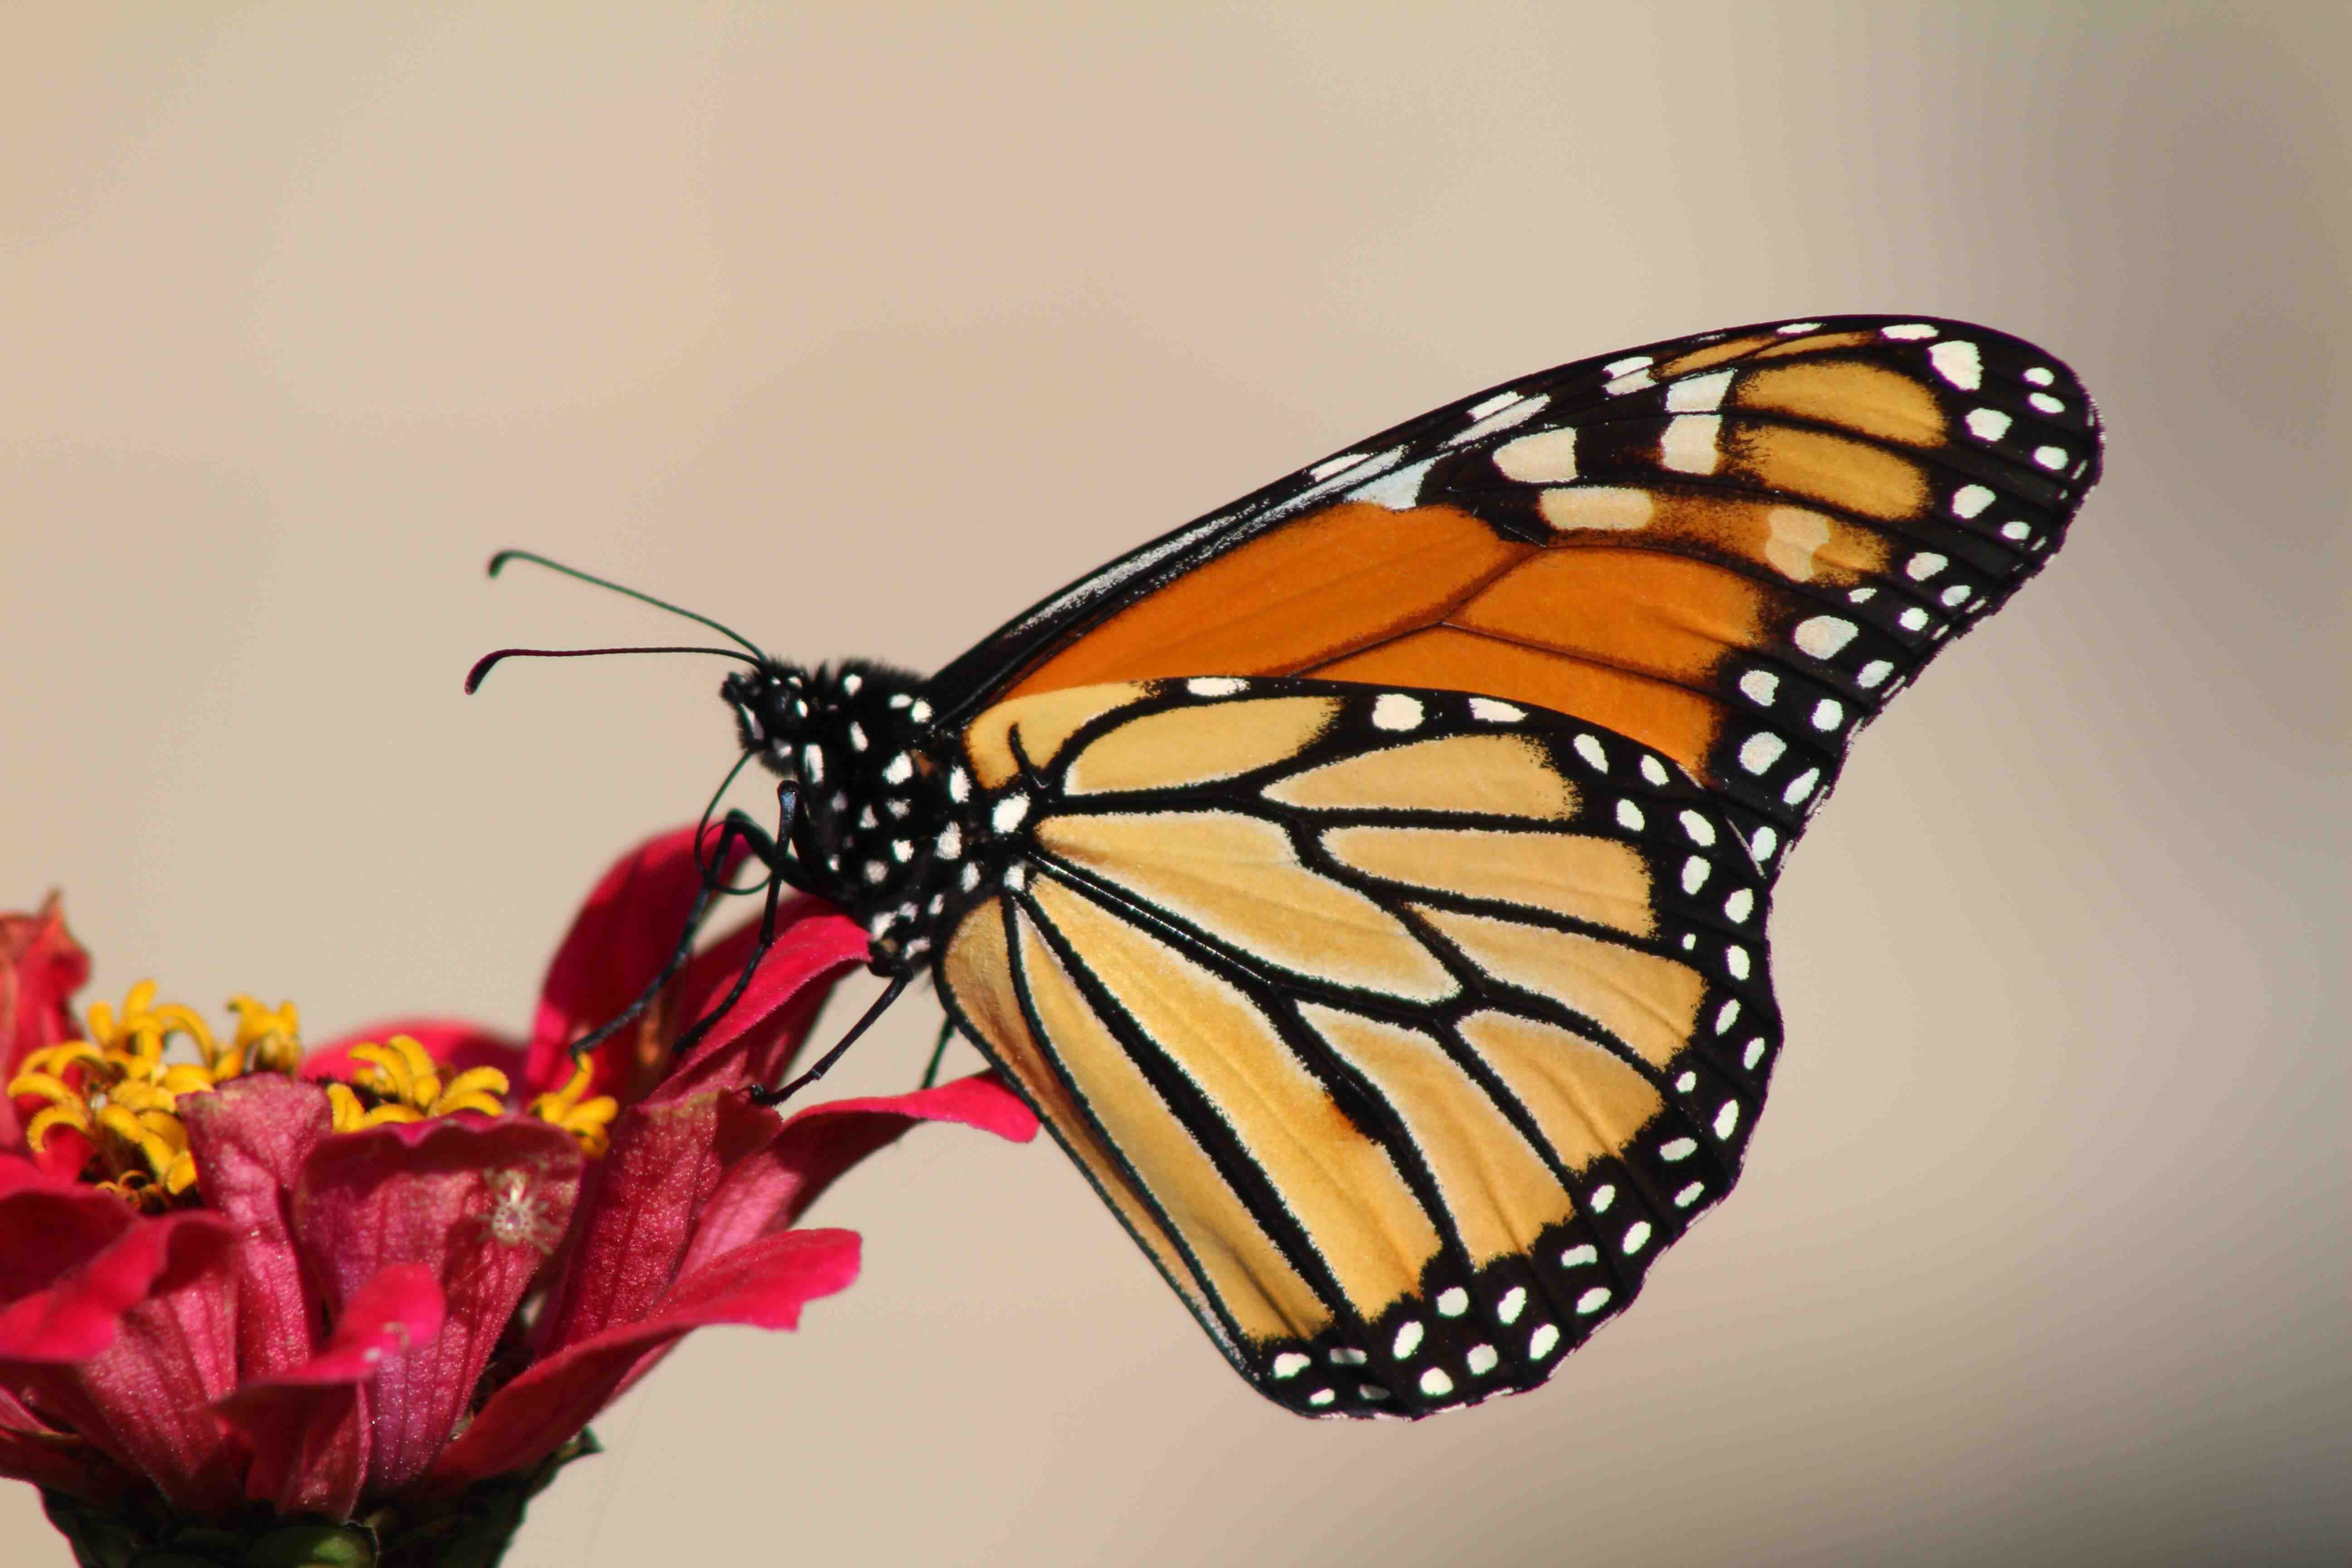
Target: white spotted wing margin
1403,1028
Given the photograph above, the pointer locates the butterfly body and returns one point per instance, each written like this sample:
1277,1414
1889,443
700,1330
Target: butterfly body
1367,882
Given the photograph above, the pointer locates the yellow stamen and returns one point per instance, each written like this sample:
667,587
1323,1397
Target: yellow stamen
117,1087
74,1114
266,1037
476,1089
57,1058
55,1090
588,1120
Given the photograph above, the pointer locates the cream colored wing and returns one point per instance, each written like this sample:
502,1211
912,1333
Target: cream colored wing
1403,1028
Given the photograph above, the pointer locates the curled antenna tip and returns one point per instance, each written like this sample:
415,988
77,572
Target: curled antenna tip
498,564
482,665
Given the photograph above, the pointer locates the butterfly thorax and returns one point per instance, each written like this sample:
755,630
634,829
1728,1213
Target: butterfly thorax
877,827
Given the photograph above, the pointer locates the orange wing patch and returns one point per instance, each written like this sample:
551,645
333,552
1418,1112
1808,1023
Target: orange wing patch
1345,578
1732,550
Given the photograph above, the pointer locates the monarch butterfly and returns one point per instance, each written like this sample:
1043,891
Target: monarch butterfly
1367,882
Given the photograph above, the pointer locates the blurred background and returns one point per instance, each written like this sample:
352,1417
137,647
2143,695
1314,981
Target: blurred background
861,333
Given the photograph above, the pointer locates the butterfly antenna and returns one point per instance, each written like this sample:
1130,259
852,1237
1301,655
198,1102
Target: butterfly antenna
482,666
498,562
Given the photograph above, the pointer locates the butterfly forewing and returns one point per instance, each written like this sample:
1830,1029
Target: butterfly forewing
1732,548
1403,1028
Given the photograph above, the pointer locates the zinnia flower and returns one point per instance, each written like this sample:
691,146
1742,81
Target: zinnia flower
357,1305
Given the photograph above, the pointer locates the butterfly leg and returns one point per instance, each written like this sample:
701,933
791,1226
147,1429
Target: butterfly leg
896,988
938,1052
732,831
769,852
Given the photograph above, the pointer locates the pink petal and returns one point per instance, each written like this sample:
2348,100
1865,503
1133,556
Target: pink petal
309,1429
763,1285
477,1203
159,1302
752,1043
818,1145
41,966
64,1281
452,1043
617,943
646,1193
249,1139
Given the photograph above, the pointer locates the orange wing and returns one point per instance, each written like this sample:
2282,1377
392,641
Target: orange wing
1733,548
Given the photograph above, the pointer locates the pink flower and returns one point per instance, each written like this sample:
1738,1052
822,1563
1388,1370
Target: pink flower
368,1289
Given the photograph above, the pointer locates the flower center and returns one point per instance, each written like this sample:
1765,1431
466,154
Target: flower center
120,1088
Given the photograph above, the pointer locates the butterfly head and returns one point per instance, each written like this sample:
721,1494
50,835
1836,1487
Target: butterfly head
772,707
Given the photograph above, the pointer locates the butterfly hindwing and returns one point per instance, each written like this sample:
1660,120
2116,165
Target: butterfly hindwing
1403,1028
1733,548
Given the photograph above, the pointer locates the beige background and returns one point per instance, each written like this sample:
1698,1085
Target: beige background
862,333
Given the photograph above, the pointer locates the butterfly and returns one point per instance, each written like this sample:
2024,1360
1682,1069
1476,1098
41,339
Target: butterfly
1367,883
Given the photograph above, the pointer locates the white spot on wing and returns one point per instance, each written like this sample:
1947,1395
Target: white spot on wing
1518,413
1395,711
1699,394
1988,424
1399,492
1215,686
1689,446
1760,751
1760,687
1957,363
1329,466
1546,457
1908,329
1494,711
1822,636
